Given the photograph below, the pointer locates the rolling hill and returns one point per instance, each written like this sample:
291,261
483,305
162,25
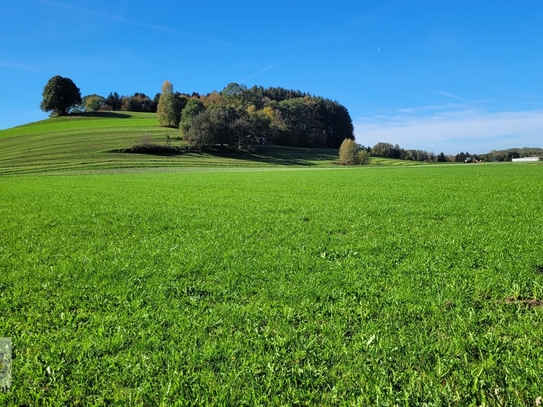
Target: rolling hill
94,142
91,141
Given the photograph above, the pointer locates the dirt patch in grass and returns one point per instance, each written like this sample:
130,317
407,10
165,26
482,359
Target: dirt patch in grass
529,302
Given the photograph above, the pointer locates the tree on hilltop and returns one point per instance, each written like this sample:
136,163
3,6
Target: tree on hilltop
92,103
114,101
59,96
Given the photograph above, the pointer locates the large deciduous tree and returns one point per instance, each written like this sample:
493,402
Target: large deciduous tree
192,109
59,96
200,132
233,94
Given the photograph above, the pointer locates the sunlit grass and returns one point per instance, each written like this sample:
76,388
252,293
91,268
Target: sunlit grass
367,286
88,143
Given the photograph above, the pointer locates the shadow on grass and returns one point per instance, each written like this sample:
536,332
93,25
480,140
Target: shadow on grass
267,155
152,149
114,115
277,155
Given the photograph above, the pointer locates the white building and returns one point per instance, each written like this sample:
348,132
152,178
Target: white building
525,159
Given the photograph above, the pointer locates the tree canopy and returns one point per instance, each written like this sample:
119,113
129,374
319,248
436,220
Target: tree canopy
93,103
59,96
239,115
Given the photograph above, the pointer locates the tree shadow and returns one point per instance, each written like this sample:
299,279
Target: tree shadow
288,157
151,149
305,157
114,115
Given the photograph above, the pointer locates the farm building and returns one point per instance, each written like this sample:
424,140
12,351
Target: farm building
525,159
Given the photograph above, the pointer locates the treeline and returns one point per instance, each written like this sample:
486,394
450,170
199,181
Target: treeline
509,154
395,151
388,150
138,102
240,116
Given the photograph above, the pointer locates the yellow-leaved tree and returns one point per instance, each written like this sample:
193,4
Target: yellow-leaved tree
350,153
167,109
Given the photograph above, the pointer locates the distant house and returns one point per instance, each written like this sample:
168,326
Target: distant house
525,159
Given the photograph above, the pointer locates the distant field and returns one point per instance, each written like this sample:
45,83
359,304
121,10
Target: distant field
364,286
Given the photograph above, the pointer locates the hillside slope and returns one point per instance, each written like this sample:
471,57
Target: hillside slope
86,142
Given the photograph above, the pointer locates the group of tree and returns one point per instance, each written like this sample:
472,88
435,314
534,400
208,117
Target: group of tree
388,150
61,97
509,154
236,116
351,153
138,102
239,116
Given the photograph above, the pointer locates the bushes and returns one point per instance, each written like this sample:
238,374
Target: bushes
350,153
364,157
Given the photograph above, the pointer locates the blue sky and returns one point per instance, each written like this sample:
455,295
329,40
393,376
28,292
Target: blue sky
436,75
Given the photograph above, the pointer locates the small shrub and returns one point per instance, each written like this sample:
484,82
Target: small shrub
364,158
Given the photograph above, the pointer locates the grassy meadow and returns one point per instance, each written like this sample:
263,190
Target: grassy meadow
337,286
89,142
224,278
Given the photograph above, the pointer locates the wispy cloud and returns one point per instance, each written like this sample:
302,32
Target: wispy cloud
108,16
448,95
266,68
259,72
452,132
17,66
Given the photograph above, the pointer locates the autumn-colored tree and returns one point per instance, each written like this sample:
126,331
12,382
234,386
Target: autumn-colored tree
349,153
93,103
167,110
214,98
364,157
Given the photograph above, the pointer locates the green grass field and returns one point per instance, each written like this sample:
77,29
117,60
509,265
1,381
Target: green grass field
272,278
85,143
366,286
